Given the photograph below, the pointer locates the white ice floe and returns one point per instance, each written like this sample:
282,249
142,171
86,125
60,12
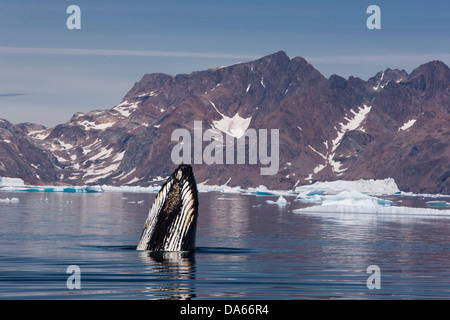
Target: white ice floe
370,206
201,187
352,199
7,200
358,202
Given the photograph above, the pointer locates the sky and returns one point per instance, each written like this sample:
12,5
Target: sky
49,72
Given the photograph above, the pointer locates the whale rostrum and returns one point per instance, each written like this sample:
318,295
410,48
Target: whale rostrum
172,221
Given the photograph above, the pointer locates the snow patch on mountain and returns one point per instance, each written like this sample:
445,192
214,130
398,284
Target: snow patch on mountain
40,134
125,109
407,125
235,126
99,173
89,125
353,123
379,85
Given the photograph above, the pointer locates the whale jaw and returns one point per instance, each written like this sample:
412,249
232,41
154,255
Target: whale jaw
172,221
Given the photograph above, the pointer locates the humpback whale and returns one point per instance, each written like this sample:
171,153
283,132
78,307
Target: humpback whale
172,221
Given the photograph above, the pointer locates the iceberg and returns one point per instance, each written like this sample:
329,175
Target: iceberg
11,182
424,195
371,186
362,196
94,189
346,201
357,202
7,200
280,202
347,196
263,191
315,198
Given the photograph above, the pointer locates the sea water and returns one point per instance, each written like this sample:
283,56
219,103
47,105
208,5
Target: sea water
249,246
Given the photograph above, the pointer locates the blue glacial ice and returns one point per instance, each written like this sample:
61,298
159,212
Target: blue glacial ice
441,204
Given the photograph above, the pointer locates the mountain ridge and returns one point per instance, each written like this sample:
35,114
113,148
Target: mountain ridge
394,124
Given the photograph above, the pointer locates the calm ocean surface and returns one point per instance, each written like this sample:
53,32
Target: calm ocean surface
247,249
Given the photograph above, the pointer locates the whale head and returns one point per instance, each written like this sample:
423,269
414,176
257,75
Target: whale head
172,221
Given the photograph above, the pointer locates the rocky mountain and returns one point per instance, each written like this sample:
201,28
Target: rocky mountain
393,125
21,157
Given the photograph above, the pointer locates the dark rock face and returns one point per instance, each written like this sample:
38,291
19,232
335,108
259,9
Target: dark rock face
393,125
21,157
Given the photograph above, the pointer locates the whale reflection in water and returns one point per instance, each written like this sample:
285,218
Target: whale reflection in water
173,274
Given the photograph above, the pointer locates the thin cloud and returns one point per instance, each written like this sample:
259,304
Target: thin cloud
7,95
407,58
132,53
